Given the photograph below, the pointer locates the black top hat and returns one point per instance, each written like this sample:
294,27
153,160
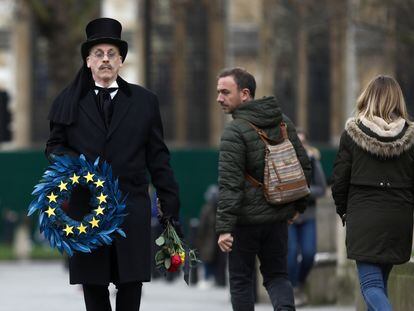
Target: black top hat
104,30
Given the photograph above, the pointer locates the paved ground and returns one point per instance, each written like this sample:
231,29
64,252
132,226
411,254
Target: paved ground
41,286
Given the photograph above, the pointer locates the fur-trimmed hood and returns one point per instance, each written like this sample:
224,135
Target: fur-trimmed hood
381,138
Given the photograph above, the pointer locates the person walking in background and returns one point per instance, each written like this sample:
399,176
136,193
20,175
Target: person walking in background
373,181
246,223
101,115
206,242
302,233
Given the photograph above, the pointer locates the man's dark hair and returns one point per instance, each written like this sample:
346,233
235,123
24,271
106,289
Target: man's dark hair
242,77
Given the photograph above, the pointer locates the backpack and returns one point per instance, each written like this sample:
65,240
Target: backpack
283,178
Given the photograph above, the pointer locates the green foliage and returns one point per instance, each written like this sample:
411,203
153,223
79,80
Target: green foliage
160,241
44,253
171,245
6,252
38,252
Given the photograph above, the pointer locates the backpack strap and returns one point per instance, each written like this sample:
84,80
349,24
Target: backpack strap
263,136
253,181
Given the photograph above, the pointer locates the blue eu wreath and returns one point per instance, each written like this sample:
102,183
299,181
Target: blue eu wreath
55,188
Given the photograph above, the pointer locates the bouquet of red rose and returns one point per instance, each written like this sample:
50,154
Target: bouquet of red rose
172,256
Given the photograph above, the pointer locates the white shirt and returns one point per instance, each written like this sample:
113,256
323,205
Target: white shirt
112,94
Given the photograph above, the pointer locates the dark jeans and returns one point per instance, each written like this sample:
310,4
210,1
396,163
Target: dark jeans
302,240
128,297
269,243
373,280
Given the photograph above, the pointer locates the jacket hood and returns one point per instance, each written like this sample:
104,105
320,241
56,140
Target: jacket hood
375,139
263,112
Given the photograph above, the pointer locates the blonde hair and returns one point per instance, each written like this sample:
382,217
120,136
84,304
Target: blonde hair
383,98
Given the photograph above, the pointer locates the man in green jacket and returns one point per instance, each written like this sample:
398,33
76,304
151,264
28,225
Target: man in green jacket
246,223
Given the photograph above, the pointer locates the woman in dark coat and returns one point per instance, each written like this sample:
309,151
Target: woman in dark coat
373,187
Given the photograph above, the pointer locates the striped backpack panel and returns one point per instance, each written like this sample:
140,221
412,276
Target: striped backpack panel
283,178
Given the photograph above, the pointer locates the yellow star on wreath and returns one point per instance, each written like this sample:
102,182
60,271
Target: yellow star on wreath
62,186
75,179
50,212
81,228
99,183
102,198
89,177
52,197
94,222
99,210
68,230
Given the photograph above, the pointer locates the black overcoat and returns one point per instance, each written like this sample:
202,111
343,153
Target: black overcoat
134,147
373,188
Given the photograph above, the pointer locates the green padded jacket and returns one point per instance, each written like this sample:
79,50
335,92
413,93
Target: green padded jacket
241,151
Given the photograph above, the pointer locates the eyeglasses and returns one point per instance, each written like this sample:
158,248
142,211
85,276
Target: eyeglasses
99,54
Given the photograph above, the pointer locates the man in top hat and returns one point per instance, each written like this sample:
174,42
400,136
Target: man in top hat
101,115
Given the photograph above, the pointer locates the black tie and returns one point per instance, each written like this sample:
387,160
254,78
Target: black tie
104,101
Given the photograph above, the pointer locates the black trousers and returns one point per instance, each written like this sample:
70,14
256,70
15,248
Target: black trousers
128,297
269,243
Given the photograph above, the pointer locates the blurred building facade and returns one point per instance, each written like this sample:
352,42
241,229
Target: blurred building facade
313,55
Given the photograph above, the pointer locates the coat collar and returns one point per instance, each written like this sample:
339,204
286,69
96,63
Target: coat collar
88,105
371,142
382,128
